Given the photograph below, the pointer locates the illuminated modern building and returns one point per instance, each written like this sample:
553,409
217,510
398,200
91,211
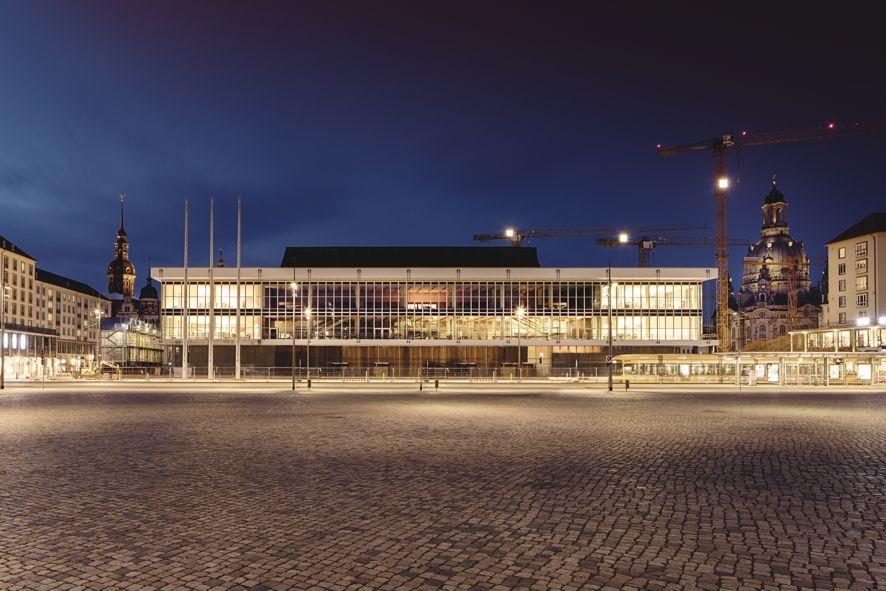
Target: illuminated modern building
776,268
407,308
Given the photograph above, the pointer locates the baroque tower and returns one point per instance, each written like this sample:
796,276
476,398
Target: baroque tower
776,271
121,272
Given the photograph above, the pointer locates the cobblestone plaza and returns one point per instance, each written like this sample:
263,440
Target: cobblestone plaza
570,489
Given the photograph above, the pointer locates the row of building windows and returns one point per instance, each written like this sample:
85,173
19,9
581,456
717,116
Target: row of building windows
641,327
434,298
861,284
861,300
861,250
861,267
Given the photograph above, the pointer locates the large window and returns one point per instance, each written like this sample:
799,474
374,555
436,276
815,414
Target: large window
861,283
861,266
862,300
861,249
446,310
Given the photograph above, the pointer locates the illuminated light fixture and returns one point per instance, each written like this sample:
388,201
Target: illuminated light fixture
863,322
832,125
881,320
623,237
521,312
308,312
723,183
509,232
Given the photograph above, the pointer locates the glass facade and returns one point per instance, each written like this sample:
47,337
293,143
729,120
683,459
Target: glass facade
463,309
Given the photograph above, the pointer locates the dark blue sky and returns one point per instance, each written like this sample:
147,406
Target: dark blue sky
392,123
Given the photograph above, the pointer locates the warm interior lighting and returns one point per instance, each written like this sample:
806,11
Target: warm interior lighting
863,322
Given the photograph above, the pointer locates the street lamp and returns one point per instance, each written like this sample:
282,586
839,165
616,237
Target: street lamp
293,287
308,359
2,326
98,340
611,285
521,311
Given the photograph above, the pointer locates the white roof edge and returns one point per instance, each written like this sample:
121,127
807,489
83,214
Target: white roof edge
450,273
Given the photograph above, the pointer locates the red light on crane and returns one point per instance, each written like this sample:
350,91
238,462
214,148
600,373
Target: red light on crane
831,125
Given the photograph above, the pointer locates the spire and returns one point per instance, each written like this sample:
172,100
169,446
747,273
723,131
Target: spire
122,197
221,261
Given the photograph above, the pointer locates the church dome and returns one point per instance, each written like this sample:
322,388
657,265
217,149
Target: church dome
148,292
774,196
777,250
121,266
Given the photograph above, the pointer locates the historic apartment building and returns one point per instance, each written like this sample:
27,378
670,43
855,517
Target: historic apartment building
776,294
50,323
406,308
857,274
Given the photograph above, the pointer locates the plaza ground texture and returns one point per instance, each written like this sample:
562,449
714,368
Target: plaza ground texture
161,487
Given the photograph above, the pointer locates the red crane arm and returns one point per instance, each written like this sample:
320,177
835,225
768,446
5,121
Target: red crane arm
746,139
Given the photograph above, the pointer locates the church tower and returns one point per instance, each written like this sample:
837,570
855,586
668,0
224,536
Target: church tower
121,272
776,271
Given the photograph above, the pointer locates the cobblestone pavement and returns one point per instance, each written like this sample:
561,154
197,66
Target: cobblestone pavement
170,490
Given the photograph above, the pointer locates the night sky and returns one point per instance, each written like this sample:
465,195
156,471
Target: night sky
388,123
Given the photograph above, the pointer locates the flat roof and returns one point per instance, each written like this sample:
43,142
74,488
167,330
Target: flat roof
409,256
228,274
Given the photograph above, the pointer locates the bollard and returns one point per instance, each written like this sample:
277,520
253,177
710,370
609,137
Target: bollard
309,383
436,384
627,385
420,385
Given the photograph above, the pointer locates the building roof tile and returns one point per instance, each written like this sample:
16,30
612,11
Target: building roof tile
875,222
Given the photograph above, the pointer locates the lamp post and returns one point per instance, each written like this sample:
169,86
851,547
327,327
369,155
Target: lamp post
521,311
98,340
308,358
2,322
609,306
293,287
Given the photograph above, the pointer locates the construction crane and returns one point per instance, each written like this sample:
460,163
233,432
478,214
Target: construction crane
646,244
719,146
518,237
